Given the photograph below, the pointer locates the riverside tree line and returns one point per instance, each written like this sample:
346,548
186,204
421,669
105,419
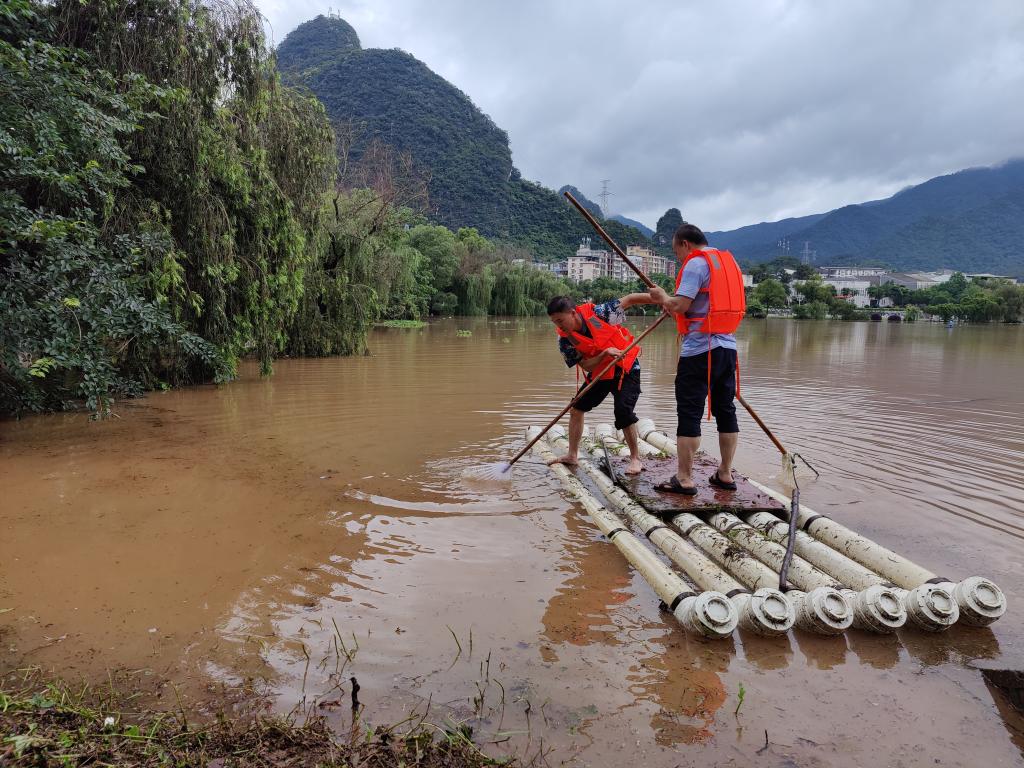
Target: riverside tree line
168,207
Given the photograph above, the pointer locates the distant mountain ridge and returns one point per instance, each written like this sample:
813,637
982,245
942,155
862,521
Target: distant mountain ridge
392,97
970,220
633,223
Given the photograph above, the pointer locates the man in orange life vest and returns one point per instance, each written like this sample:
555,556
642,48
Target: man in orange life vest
708,304
589,335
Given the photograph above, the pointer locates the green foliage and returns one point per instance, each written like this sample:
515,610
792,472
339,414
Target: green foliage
401,324
741,694
771,294
841,309
814,310
316,43
364,272
980,300
152,234
775,268
815,290
76,322
389,96
583,200
756,309
666,227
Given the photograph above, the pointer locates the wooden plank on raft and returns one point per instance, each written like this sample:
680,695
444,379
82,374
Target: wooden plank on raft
746,498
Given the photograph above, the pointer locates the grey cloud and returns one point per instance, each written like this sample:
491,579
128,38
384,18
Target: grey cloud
734,112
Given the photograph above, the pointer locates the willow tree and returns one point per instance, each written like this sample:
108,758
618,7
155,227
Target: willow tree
162,197
236,165
78,321
364,268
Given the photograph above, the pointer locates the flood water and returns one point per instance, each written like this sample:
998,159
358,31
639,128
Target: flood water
218,534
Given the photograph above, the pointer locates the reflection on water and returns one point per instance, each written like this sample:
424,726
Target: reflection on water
315,525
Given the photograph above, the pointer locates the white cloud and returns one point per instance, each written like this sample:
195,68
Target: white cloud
733,112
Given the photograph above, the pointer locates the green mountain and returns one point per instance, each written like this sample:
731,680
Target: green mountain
583,200
633,223
971,220
392,97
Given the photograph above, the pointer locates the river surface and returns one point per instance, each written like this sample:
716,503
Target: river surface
313,526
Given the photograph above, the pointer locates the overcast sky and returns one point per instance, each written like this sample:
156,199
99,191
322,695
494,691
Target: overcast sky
735,112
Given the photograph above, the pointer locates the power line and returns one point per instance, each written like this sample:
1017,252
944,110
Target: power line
605,194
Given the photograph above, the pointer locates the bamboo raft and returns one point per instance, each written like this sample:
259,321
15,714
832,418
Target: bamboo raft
726,549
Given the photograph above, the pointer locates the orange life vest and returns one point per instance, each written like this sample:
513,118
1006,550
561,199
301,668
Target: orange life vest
602,336
727,303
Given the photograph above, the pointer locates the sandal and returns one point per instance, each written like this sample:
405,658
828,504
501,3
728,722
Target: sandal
718,482
672,485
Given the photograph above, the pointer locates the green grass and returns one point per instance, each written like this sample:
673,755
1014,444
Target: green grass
49,723
400,324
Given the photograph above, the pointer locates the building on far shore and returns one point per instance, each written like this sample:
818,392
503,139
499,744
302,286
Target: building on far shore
850,272
649,262
917,281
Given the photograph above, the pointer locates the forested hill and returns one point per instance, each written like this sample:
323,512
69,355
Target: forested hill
390,96
972,220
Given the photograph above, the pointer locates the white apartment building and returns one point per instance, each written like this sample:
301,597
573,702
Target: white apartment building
580,268
650,262
859,289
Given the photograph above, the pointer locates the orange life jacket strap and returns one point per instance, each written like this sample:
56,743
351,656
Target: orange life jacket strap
709,377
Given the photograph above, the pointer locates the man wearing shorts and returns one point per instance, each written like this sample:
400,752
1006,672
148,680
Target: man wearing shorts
703,358
590,336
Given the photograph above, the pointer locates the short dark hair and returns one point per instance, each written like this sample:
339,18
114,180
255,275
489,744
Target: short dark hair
690,233
560,304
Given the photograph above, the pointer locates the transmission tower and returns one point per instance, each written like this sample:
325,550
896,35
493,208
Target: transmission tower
605,194
807,255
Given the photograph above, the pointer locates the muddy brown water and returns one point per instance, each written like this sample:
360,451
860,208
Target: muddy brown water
217,534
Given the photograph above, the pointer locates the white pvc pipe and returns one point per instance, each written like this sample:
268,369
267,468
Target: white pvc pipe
709,614
823,610
606,433
765,612
910,603
937,600
975,600
875,609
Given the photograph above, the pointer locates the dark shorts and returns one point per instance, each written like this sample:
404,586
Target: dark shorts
625,397
692,391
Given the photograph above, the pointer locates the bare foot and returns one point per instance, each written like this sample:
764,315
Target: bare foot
725,477
634,467
568,460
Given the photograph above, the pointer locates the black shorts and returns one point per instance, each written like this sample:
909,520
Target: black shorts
692,391
625,397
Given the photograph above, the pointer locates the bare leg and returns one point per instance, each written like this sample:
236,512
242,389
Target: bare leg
633,441
727,442
687,449
575,434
